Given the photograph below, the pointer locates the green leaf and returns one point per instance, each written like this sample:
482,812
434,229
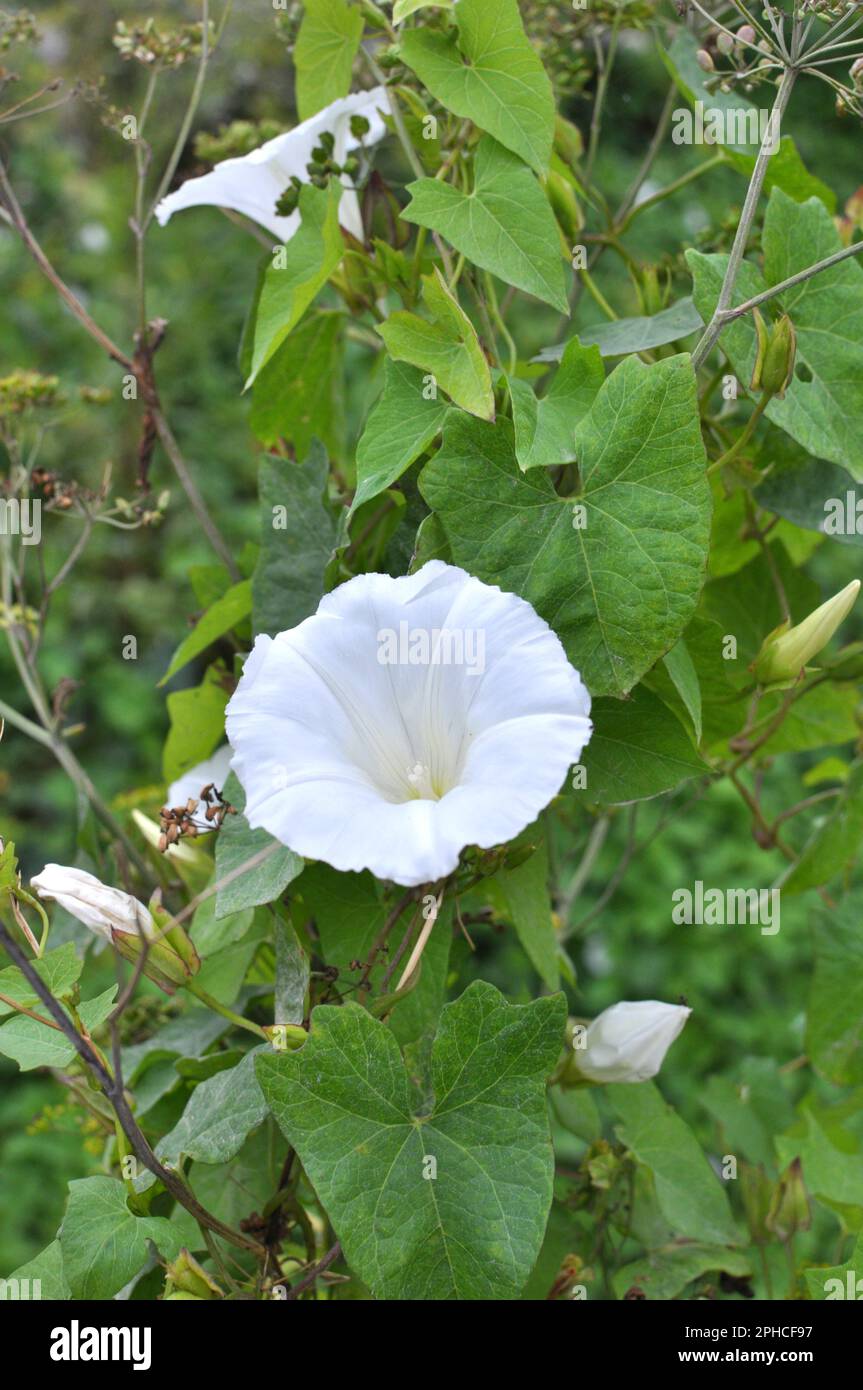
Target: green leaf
743,1130
298,536
623,336
298,272
406,418
235,845
58,969
504,225
821,1283
619,588
823,411
431,543
834,1020
689,1193
299,395
188,1036
684,677
638,749
324,53
104,1245
545,429
211,933
47,1270
831,1158
344,1101
448,348
220,1114
226,613
292,975
33,1044
835,842
785,169
664,1273
349,914
805,490
526,899
197,718
491,74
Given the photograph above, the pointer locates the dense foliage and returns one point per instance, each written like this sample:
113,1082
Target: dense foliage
370,1015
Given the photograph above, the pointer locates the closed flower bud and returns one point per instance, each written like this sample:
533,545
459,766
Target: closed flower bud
724,43
564,204
187,1277
568,144
704,60
118,917
789,1210
785,652
628,1042
102,909
775,356
746,34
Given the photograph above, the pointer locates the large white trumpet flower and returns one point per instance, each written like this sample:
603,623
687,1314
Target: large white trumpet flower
407,719
253,184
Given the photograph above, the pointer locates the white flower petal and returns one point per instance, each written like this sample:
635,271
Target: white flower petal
628,1042
397,766
254,183
95,904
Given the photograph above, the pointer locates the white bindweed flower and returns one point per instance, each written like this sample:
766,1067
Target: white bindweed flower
406,719
628,1042
100,908
213,770
253,184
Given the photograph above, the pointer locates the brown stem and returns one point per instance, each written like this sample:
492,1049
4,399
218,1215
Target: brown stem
112,1088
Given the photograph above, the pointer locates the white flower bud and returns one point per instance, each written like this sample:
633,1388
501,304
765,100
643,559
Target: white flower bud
785,652
746,34
100,908
628,1042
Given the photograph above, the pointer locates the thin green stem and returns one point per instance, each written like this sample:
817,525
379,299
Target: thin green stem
236,1019
744,438
690,177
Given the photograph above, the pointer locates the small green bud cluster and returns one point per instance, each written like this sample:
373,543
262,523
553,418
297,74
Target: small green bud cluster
17,27
162,48
26,390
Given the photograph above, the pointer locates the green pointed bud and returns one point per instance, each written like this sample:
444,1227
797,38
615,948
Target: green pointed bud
163,965
789,1210
775,357
189,1280
785,651
778,371
564,204
286,1037
174,935
518,855
762,342
568,144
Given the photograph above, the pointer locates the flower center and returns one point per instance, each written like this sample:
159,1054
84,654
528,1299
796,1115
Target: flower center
423,785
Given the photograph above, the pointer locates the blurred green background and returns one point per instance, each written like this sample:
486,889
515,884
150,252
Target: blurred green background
75,179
